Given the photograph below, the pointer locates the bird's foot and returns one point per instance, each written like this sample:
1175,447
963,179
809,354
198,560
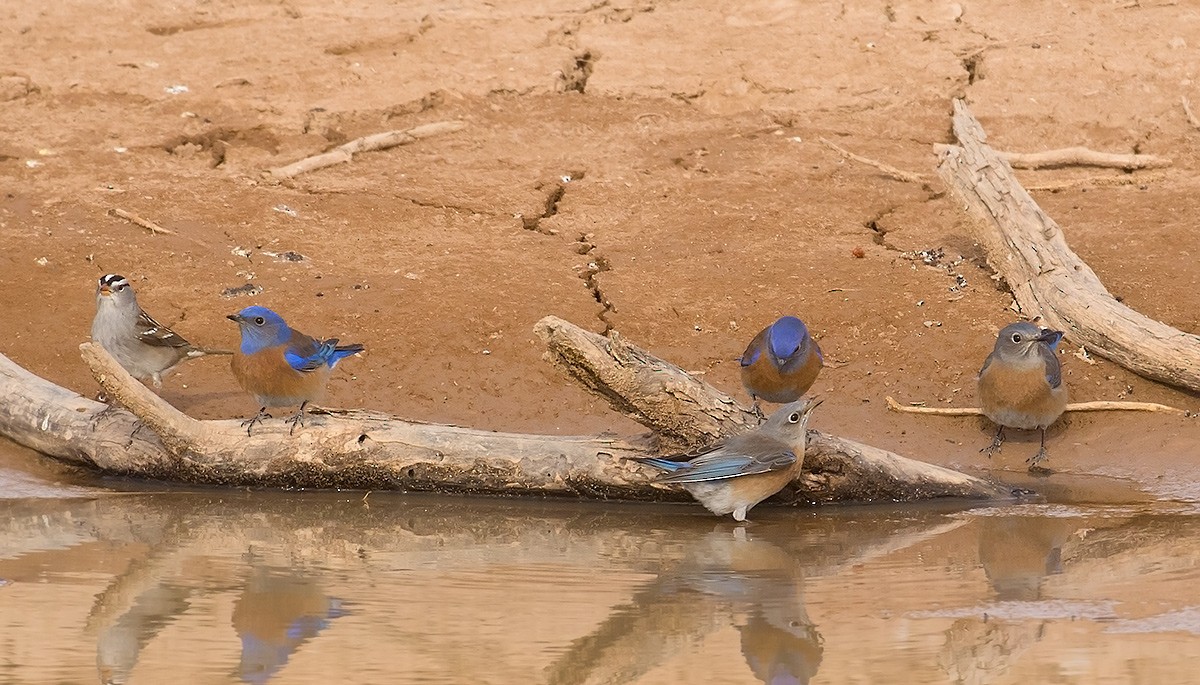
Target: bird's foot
296,419
758,412
1035,461
992,448
248,424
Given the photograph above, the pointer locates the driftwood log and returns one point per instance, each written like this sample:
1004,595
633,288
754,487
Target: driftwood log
1027,248
371,451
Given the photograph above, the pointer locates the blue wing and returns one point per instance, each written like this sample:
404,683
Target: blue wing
1053,367
742,455
305,354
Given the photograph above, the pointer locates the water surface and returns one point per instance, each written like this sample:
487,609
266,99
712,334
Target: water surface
258,587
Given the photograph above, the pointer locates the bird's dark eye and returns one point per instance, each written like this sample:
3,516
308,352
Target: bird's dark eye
1016,337
122,286
794,418
258,321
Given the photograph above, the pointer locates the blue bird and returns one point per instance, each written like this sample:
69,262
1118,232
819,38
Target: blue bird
781,363
1020,384
732,476
280,366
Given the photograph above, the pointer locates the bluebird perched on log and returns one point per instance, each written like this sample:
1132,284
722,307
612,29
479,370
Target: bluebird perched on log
781,363
145,348
280,366
732,476
1020,384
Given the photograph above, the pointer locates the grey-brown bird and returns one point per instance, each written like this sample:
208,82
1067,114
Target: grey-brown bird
731,476
1020,384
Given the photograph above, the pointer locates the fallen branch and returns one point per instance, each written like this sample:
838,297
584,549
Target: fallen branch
371,143
1187,110
888,170
1074,406
144,223
1101,182
1027,248
1081,156
371,451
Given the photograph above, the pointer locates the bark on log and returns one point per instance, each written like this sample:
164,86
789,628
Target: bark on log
1027,248
368,450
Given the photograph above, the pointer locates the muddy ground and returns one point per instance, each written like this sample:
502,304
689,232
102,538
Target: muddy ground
649,166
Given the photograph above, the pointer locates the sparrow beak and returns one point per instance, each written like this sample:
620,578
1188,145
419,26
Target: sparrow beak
105,290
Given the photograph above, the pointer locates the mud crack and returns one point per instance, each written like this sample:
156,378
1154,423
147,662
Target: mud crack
575,74
554,195
597,264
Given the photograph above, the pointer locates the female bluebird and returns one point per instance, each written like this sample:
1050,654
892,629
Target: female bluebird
781,363
281,367
1020,384
145,348
732,476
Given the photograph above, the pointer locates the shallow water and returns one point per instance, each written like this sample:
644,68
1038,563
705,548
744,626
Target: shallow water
240,587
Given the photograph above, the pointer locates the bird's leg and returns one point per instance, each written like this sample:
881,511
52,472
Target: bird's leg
996,442
257,418
1041,455
757,410
739,514
156,380
297,419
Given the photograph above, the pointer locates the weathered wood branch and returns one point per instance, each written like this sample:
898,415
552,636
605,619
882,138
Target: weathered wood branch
1103,405
886,169
140,221
371,143
1027,248
372,451
1082,156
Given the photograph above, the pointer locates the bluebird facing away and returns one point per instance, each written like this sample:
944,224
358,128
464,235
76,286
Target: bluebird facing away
145,348
732,476
781,363
1020,384
282,367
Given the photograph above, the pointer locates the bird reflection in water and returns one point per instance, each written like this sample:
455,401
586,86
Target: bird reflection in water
276,613
726,578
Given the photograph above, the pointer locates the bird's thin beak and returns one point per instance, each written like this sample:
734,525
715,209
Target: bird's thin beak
105,290
234,317
1050,337
813,403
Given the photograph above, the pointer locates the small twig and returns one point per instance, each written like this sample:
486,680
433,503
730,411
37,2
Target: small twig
1187,109
1101,181
371,143
893,405
1082,156
144,223
889,171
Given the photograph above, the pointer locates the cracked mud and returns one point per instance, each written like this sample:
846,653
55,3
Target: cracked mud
708,208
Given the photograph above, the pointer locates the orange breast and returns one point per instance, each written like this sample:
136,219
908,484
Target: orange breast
763,380
273,382
1020,397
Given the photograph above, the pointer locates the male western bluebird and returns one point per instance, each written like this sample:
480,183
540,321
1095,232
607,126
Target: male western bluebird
282,367
781,363
146,349
1020,384
732,476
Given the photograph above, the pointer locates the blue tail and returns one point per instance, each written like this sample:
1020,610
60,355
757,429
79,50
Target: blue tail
340,352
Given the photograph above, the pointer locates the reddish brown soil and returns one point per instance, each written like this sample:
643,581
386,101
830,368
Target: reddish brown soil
700,204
